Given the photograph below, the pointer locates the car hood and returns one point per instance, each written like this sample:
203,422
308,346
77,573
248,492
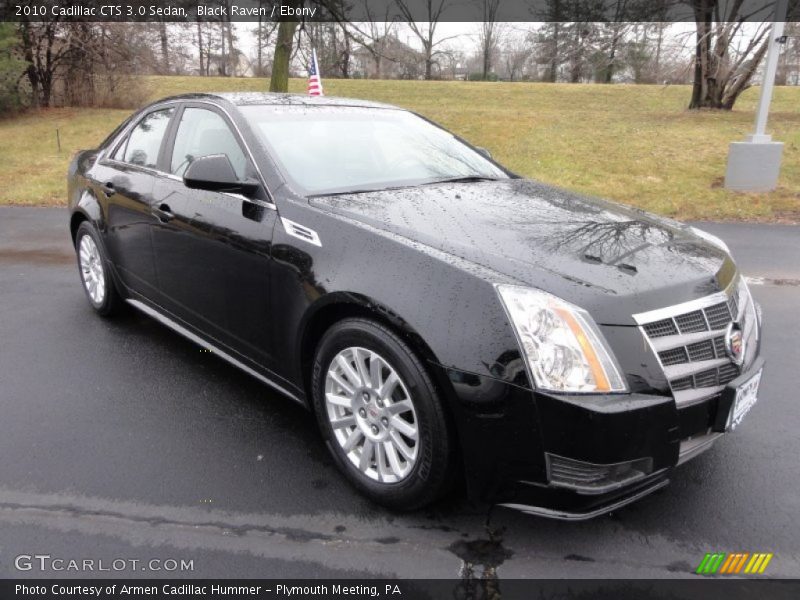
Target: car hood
613,260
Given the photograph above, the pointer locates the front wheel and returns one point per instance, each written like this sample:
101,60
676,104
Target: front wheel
93,267
381,416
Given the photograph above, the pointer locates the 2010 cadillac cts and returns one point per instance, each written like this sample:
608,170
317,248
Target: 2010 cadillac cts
442,317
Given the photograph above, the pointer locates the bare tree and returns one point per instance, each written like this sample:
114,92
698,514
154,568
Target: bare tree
263,34
726,54
44,50
789,65
611,38
376,36
427,32
488,34
516,52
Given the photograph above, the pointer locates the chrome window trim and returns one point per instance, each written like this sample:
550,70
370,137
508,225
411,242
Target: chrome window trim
105,159
113,146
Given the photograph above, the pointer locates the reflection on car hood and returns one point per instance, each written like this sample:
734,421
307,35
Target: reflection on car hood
612,260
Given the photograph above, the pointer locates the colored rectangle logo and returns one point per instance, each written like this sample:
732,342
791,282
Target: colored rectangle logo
734,563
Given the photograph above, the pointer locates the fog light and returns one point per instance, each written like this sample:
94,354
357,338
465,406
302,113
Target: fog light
589,478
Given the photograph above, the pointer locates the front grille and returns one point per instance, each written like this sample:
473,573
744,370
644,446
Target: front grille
659,328
718,315
690,341
705,350
684,383
691,322
676,356
728,373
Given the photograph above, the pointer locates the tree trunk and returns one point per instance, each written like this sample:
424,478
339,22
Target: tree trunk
223,63
575,67
260,67
553,75
200,46
702,48
279,82
659,43
31,72
232,57
608,76
162,31
429,61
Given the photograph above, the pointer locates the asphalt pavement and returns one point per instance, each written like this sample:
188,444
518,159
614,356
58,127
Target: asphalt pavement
119,439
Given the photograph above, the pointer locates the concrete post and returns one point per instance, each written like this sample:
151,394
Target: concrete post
754,165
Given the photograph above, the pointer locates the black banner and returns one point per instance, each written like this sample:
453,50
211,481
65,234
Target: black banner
466,589
397,10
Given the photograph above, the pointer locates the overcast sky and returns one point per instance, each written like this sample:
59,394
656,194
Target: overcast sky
463,35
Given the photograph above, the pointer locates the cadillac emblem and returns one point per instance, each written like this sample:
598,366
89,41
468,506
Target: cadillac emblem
734,343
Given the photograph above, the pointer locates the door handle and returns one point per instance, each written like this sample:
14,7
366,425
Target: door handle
164,213
108,189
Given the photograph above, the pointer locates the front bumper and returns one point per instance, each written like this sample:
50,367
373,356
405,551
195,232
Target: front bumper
577,457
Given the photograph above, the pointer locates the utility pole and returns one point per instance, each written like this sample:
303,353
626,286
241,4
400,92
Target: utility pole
754,165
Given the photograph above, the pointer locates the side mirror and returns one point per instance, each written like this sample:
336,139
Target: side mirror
215,173
484,151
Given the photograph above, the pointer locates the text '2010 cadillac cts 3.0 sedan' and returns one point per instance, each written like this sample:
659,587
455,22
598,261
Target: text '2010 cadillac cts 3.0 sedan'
442,317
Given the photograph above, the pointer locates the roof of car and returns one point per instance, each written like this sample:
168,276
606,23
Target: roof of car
270,98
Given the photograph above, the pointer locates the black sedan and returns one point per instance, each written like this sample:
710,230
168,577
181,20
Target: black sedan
444,319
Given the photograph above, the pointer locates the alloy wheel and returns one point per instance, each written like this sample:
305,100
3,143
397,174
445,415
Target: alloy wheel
94,278
372,415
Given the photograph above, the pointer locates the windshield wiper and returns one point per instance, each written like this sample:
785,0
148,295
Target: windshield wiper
358,191
462,179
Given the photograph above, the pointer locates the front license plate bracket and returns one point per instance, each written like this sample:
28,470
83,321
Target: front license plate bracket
727,408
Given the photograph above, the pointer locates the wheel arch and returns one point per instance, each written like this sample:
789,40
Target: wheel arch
334,307
87,209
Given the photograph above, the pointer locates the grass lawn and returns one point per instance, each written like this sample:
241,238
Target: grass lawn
633,144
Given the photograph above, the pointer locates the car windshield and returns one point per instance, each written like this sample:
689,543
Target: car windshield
340,149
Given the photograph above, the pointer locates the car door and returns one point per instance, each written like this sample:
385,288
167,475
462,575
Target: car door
212,249
124,180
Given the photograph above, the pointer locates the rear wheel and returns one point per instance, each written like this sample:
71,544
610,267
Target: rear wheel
93,268
381,416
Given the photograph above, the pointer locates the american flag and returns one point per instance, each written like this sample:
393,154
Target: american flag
314,80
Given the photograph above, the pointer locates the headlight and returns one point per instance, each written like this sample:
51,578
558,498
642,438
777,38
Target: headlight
710,238
563,348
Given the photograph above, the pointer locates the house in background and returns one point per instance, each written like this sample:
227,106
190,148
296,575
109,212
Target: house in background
388,58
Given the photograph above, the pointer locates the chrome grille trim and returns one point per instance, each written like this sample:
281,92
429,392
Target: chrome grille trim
688,340
694,368
665,343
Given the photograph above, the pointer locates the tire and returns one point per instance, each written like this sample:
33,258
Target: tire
93,268
400,472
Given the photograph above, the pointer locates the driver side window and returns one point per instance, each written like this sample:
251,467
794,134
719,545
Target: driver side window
203,132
